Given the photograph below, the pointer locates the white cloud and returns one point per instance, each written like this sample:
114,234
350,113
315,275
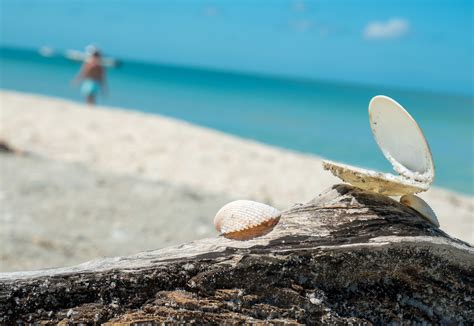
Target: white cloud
301,25
323,31
211,11
299,6
307,26
390,29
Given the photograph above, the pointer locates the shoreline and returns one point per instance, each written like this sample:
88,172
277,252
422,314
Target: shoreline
192,160
184,123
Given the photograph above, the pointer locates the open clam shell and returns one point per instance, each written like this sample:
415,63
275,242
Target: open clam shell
403,144
245,219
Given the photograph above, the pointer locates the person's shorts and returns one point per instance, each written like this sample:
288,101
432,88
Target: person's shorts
90,87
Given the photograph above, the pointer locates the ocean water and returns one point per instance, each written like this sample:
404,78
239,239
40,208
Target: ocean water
325,118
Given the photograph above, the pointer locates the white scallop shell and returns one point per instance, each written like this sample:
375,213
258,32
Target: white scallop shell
421,207
242,215
401,139
403,144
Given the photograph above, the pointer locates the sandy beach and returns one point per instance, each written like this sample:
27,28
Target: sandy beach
106,182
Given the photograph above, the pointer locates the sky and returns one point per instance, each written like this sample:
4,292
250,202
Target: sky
415,44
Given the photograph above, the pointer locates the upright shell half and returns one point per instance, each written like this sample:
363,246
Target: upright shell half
403,144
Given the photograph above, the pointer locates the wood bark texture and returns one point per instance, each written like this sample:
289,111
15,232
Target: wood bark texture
348,256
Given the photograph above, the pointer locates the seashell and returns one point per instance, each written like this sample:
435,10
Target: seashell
382,183
403,144
401,140
245,219
421,207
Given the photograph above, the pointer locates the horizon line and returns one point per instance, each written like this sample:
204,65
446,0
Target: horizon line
248,73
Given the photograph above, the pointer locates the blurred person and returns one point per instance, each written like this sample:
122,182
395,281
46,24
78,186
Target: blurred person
92,75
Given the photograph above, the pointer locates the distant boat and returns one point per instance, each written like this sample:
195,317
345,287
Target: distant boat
76,55
46,51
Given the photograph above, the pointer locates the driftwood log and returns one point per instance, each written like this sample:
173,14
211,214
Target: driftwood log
348,256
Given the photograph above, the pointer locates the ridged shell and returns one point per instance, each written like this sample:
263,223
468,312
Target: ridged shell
421,207
403,144
245,219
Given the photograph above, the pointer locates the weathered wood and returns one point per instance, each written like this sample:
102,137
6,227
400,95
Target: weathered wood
347,256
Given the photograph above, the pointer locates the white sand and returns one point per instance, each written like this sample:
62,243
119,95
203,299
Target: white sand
175,152
55,213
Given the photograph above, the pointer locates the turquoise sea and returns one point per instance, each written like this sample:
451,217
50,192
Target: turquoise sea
320,117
